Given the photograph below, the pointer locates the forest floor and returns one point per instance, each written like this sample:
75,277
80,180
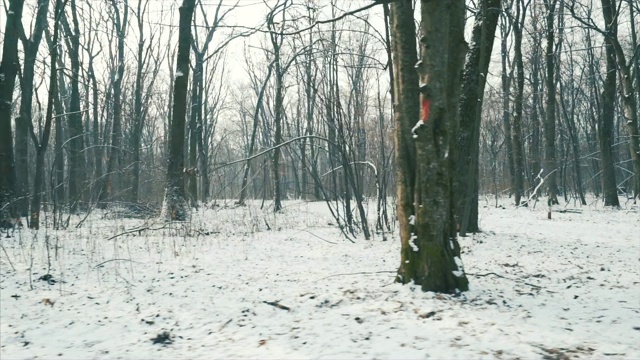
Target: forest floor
240,282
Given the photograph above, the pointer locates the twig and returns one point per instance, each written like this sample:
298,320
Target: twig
8,259
110,260
360,273
310,233
504,277
276,304
225,324
140,229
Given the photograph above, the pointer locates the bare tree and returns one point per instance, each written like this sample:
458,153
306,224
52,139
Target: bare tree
175,201
77,162
518,157
471,99
42,143
430,254
120,24
550,119
8,70
30,46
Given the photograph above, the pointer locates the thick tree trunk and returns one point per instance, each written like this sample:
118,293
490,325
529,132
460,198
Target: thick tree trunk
8,70
175,201
430,253
605,125
471,97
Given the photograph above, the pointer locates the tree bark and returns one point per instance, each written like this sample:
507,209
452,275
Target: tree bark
8,70
550,119
116,128
42,144
627,93
430,253
175,201
518,157
506,77
471,98
30,47
607,114
77,162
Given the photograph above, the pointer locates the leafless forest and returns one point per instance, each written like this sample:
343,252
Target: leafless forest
147,107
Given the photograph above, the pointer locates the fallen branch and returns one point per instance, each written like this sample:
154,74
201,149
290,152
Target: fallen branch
312,234
110,260
139,230
276,304
360,273
504,277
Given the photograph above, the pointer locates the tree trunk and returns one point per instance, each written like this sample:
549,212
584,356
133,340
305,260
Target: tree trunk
505,29
30,47
471,97
116,128
605,125
42,144
77,163
8,70
196,101
175,201
518,159
252,141
627,93
430,254
550,120
138,120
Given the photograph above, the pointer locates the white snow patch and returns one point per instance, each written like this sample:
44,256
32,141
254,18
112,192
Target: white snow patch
415,128
412,242
206,281
458,262
412,219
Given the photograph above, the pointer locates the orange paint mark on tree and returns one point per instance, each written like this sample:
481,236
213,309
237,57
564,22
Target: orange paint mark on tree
425,109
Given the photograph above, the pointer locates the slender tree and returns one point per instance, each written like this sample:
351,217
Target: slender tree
30,46
77,161
120,23
518,156
42,143
550,119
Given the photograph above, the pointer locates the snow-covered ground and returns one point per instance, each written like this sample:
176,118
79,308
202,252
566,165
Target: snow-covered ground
554,289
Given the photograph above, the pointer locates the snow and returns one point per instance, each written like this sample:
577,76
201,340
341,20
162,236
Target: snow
561,288
179,73
415,128
412,242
